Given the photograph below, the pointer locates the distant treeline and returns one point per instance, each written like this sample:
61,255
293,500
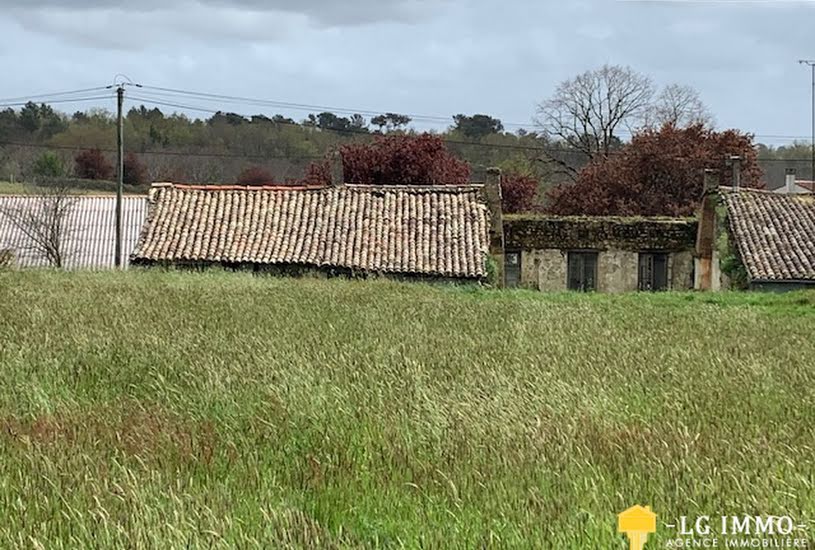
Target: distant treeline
39,140
175,147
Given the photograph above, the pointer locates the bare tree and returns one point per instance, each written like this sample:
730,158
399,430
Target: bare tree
7,259
42,219
681,106
587,112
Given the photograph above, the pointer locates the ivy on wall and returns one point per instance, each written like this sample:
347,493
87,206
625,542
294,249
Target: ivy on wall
729,257
494,271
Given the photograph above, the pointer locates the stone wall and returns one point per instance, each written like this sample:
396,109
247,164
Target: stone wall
617,270
543,269
544,242
681,270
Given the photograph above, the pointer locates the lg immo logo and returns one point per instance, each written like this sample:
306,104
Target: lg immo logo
724,531
637,523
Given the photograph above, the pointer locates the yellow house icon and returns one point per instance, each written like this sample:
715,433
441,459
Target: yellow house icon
636,523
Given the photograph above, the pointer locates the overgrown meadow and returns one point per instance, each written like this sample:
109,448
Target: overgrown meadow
220,410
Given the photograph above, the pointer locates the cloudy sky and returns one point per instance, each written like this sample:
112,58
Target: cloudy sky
429,57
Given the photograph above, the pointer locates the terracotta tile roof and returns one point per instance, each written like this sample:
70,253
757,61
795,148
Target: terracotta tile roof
90,231
775,234
438,230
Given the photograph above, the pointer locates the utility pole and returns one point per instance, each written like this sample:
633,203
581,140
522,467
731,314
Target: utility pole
811,64
123,81
120,97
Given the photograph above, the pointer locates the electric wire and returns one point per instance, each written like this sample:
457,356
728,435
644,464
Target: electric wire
367,112
70,100
164,96
52,94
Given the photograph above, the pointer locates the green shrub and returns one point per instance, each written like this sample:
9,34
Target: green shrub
494,272
49,165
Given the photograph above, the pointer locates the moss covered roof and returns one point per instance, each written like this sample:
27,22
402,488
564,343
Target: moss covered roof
530,232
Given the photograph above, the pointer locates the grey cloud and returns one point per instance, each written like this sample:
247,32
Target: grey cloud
433,57
332,12
122,30
323,12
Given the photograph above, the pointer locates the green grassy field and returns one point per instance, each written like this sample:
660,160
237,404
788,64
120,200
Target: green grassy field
170,410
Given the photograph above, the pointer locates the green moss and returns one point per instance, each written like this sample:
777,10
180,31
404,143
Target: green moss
535,232
599,219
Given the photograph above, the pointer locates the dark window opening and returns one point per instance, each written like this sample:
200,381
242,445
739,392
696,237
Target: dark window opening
582,271
653,271
512,269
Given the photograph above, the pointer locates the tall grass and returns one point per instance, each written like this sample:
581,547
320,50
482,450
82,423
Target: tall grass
168,410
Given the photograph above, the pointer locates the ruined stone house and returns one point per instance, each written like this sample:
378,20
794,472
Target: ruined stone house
604,254
741,239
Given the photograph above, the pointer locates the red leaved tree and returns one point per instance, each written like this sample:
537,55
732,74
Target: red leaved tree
660,172
398,160
91,164
255,175
134,173
518,192
318,173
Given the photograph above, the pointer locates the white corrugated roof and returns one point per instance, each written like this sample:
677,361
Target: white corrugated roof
90,234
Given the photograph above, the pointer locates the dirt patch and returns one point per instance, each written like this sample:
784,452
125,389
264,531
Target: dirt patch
146,432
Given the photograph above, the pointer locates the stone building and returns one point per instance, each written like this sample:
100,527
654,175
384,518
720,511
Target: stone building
417,232
756,239
606,254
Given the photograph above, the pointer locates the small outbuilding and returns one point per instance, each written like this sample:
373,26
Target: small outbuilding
761,240
427,232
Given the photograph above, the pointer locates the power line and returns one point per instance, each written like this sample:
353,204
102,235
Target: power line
53,94
367,112
528,148
347,131
303,106
163,91
21,100
71,100
159,152
237,155
286,105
